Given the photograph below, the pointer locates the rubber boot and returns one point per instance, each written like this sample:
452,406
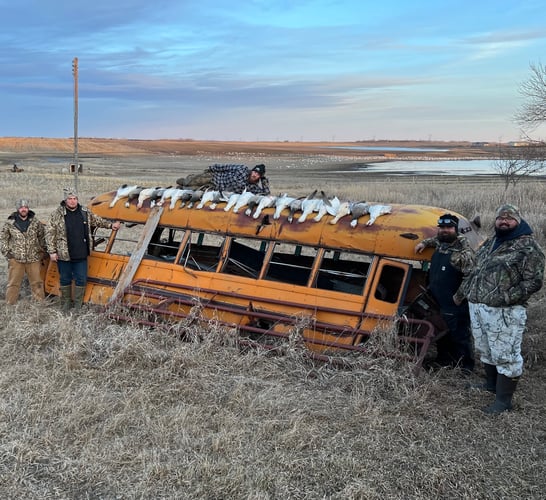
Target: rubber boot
506,387
490,383
79,292
66,297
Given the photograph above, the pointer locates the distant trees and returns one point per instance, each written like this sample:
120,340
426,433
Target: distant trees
516,162
533,111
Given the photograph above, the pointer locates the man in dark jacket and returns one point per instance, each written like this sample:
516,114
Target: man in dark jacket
23,243
509,269
68,239
452,259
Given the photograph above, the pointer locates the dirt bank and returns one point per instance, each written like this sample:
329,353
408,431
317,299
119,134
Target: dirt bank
96,146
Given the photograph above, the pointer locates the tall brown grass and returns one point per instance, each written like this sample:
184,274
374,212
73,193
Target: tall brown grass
95,409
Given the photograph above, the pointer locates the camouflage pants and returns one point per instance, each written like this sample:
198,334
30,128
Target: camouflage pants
498,333
196,181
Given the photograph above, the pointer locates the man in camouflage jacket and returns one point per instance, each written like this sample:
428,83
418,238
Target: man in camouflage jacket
453,259
68,238
509,269
23,243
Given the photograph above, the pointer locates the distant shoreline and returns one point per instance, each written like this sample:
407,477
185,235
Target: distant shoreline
124,147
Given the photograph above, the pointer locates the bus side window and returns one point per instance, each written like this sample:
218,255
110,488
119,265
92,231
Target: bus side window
127,237
99,239
202,251
164,244
343,272
245,257
390,283
291,264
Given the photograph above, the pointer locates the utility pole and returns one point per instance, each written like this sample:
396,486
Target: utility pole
76,160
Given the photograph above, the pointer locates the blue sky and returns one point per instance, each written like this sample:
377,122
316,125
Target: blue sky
268,69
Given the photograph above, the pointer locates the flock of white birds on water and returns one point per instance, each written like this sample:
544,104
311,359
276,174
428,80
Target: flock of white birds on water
253,204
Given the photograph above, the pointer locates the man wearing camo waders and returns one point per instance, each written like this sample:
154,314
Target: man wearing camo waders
509,269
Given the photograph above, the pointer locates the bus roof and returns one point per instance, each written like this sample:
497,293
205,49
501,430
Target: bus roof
392,235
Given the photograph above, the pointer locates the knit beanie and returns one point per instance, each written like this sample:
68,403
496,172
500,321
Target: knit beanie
508,210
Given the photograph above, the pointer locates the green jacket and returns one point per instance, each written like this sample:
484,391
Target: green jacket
507,275
56,239
25,247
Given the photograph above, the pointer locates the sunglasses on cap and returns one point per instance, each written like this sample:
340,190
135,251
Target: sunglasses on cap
447,221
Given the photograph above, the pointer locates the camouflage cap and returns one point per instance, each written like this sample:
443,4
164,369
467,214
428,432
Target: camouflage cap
508,210
67,192
22,203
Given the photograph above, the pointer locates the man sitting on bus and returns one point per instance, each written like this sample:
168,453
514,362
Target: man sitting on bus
229,178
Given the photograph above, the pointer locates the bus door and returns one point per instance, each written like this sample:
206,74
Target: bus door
385,294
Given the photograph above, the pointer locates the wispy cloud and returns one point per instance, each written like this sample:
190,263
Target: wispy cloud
326,67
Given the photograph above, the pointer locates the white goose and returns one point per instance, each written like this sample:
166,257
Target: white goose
122,192
281,203
266,202
145,194
242,201
312,204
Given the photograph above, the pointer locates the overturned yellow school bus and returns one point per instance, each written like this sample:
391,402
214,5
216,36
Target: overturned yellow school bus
335,285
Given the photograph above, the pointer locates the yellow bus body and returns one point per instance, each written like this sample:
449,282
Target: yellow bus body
332,286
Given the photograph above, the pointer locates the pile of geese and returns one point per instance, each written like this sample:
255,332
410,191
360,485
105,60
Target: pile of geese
253,204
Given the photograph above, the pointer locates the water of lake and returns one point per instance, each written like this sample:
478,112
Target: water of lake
388,148
440,167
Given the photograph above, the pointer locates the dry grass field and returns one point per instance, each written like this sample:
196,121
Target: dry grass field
95,409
